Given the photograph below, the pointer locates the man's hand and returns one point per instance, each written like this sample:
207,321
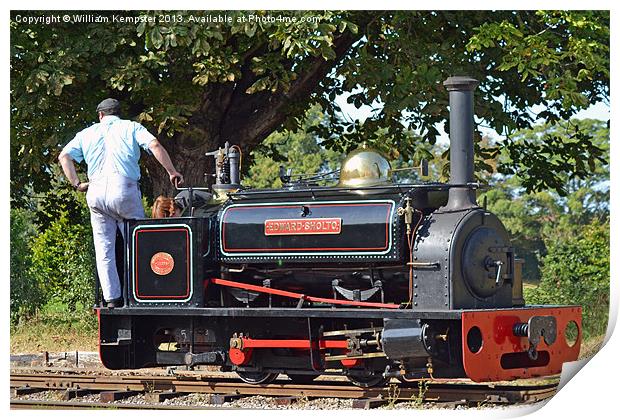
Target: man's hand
83,187
176,178
162,157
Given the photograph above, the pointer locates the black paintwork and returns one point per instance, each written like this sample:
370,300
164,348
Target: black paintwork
457,251
458,243
186,240
315,312
367,231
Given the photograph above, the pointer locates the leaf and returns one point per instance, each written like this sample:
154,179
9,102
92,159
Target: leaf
145,116
257,86
156,37
250,30
141,28
328,53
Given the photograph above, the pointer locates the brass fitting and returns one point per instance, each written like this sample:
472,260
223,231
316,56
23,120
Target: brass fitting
429,366
236,343
408,213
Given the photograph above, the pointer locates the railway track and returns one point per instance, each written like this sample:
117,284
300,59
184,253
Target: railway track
76,405
154,389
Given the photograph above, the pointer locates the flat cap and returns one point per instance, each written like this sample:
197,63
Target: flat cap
109,104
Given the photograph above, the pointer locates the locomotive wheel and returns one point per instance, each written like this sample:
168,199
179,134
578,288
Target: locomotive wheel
257,378
368,381
302,379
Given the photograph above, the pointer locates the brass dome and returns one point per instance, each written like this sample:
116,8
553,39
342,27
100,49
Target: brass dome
365,167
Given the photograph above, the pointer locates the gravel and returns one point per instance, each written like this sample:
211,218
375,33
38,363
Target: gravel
255,402
87,361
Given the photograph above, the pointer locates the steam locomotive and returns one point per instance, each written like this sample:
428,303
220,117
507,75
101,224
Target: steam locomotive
369,278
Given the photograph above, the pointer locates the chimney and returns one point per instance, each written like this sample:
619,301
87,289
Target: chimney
461,90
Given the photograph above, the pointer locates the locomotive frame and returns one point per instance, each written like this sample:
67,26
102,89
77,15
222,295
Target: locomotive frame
353,280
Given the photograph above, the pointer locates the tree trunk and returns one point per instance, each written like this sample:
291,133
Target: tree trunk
192,163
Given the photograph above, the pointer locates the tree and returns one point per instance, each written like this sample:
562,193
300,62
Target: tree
63,264
302,153
576,272
535,219
26,295
297,151
198,79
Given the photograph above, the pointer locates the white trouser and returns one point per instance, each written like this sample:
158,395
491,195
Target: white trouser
111,199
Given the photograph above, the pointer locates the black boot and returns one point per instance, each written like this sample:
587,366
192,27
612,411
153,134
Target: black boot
115,303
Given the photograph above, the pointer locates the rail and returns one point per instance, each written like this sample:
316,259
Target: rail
113,387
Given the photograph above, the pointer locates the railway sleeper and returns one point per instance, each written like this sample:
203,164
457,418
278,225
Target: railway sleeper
157,397
25,390
368,403
111,396
71,393
219,399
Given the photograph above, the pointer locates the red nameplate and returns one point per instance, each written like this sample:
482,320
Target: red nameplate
331,226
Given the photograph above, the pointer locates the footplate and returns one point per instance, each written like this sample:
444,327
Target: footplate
519,343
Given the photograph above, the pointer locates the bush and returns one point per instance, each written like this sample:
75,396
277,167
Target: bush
576,272
63,263
26,296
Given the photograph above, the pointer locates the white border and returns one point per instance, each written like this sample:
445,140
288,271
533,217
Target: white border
133,264
301,253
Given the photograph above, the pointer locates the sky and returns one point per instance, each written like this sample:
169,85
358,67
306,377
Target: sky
599,111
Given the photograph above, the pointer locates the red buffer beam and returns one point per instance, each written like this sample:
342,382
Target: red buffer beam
492,352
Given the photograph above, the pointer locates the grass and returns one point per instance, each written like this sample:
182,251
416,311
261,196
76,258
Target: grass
591,346
56,328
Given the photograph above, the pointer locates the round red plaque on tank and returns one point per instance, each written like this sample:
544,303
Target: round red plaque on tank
162,263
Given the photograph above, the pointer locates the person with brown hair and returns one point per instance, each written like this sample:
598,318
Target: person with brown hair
164,207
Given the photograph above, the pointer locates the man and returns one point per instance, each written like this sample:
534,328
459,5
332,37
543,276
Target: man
111,149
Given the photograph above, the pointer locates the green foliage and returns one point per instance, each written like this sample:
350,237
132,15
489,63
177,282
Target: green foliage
26,296
202,81
565,52
532,218
298,151
52,256
61,199
165,71
565,150
576,271
304,154
563,238
63,262
402,84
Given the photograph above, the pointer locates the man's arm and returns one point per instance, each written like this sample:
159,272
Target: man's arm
69,169
162,157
